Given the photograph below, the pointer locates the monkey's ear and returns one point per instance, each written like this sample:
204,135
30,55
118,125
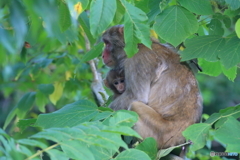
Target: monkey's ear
120,29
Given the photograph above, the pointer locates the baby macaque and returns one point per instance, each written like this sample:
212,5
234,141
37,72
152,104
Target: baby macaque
115,81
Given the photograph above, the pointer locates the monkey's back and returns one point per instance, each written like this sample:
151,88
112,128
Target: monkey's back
179,101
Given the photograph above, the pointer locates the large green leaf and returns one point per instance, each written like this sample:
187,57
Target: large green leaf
122,118
175,24
206,47
198,134
149,146
68,116
135,31
202,7
102,13
64,17
228,134
230,57
76,150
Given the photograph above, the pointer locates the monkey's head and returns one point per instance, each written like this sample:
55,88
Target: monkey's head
114,54
115,81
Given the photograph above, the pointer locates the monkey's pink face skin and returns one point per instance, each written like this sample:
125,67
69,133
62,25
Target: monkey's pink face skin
106,55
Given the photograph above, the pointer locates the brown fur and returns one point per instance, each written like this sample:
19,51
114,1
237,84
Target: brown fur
161,89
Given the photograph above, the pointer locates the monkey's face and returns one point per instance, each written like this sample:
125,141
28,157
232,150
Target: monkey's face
114,46
119,85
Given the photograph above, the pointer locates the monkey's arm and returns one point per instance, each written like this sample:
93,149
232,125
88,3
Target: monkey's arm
148,115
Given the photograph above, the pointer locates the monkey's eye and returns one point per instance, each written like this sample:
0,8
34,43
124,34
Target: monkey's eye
116,83
122,81
106,41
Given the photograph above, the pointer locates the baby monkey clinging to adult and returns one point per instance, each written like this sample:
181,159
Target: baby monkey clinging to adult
115,81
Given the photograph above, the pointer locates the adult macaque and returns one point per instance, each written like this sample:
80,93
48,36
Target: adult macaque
158,87
115,81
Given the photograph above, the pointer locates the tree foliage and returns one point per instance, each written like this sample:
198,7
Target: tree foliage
45,49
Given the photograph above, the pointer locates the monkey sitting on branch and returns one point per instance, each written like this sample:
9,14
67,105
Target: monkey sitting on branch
158,87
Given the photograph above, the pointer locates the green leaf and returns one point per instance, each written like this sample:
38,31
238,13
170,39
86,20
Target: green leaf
57,155
233,4
122,118
210,68
202,7
206,47
101,153
10,117
64,17
237,28
230,58
102,13
154,9
94,52
24,123
149,146
25,104
46,88
165,152
129,37
41,101
198,134
68,116
175,24
84,21
32,142
230,73
228,134
76,149
215,27
18,21
132,154
135,30
123,130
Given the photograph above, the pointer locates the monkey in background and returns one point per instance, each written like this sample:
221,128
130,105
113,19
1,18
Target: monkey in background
115,81
155,77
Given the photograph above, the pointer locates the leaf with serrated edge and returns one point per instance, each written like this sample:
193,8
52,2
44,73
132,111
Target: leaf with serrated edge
197,133
68,116
102,13
136,31
175,24
206,47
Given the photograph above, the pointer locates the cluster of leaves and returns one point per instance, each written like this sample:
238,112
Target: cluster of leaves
222,127
44,48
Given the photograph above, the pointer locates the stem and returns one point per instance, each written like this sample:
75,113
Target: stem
40,152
